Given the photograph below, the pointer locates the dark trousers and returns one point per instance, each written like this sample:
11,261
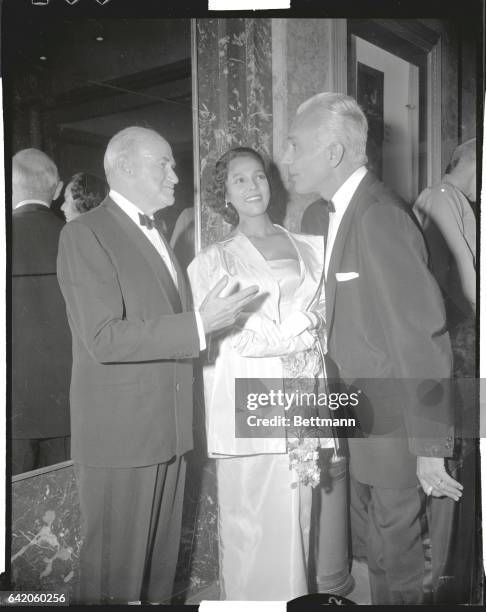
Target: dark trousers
34,453
131,524
454,534
394,549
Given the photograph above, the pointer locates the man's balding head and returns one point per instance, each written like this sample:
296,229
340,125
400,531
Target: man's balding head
139,165
34,177
126,144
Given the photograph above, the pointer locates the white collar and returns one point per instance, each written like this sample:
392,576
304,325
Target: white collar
32,201
128,207
343,195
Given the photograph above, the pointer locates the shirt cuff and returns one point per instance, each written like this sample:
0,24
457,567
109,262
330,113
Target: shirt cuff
295,324
200,331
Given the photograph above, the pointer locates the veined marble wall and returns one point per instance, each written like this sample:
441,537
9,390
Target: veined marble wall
252,76
309,56
46,532
235,98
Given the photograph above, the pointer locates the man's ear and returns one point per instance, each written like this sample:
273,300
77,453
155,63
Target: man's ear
336,152
124,166
57,193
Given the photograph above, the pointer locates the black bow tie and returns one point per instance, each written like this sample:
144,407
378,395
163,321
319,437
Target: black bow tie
146,221
329,204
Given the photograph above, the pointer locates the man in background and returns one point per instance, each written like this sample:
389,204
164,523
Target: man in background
449,225
447,218
41,342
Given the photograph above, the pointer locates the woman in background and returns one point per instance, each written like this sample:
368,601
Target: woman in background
264,484
83,192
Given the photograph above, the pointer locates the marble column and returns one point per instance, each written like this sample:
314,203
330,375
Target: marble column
235,98
234,94
309,56
252,74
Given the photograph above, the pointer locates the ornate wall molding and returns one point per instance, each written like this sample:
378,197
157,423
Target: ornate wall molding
279,92
434,115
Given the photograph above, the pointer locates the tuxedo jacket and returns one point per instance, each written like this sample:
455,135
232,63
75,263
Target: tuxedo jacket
387,336
133,340
41,342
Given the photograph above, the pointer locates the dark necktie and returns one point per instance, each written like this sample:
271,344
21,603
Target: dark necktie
146,221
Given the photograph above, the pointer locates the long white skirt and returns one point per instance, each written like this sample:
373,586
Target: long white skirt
264,526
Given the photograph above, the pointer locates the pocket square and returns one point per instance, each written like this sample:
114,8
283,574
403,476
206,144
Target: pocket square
345,276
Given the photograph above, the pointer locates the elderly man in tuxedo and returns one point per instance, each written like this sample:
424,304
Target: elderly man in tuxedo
386,336
134,338
41,342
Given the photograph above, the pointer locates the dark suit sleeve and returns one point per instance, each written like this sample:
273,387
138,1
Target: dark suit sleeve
95,305
409,304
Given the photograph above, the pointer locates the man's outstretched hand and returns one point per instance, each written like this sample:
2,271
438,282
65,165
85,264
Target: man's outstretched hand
220,312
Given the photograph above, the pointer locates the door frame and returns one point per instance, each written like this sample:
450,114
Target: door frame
418,44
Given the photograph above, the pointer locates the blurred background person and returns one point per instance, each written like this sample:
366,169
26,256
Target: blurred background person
182,238
449,225
83,192
41,341
446,215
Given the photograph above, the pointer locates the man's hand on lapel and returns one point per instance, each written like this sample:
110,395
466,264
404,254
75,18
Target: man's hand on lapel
220,312
435,480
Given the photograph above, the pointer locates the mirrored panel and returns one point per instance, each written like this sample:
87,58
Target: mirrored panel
71,86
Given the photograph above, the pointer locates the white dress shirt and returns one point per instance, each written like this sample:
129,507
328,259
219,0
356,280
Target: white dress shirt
341,200
132,211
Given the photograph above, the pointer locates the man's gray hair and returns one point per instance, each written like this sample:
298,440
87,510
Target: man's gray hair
125,142
465,153
34,174
342,117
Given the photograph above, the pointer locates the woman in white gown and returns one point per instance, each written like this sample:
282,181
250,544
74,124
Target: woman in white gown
264,493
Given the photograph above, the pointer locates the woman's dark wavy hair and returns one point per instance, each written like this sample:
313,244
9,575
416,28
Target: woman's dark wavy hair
87,191
215,196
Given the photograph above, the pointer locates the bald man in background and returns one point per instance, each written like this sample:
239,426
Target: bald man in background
134,337
41,342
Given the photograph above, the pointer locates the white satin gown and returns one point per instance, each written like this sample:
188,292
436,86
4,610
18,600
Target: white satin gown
264,513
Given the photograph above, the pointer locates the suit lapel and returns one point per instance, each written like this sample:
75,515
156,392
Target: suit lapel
150,253
340,244
181,282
